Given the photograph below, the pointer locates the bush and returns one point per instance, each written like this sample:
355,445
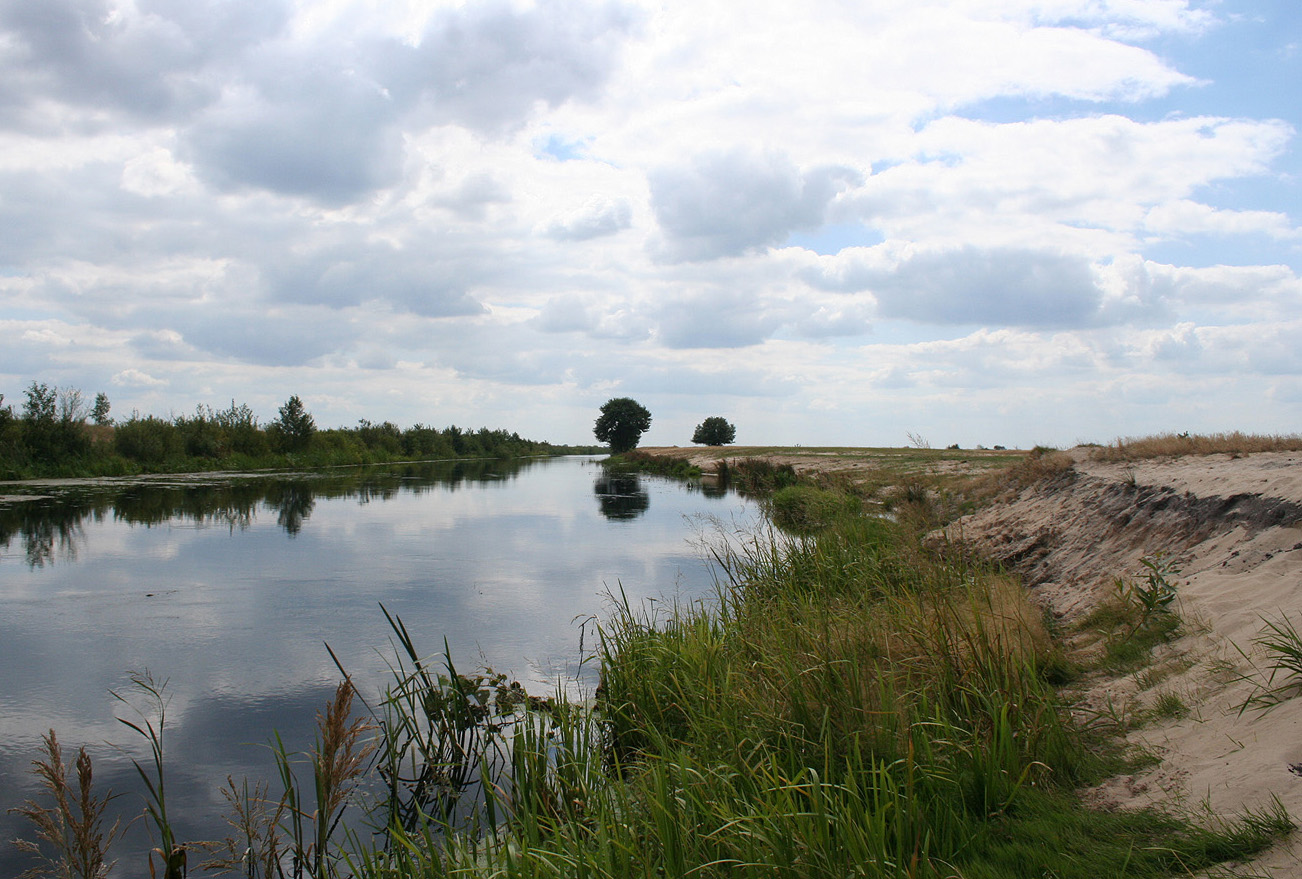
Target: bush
147,440
806,509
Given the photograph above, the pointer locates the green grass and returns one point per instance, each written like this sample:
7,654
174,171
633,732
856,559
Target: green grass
1139,616
849,706
1282,645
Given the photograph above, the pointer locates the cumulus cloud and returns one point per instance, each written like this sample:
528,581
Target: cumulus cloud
1186,217
727,203
968,285
592,316
257,108
93,54
486,65
157,173
598,218
331,138
1233,294
433,283
135,378
281,337
471,198
717,319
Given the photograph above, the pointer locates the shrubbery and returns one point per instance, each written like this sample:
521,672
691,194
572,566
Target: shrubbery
52,436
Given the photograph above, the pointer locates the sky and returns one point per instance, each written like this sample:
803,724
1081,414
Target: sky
850,222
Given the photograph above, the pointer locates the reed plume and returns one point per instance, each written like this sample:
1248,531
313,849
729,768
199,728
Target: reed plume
73,825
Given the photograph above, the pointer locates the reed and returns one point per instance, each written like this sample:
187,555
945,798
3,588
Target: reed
72,825
256,849
151,724
337,761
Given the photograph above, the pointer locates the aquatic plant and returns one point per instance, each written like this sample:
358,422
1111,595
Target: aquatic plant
151,723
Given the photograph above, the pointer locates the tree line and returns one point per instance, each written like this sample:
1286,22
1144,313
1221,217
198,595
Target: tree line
59,432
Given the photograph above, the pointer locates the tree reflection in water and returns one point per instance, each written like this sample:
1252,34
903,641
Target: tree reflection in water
48,526
621,495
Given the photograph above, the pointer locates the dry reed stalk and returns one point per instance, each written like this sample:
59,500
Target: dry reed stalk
255,850
342,753
74,825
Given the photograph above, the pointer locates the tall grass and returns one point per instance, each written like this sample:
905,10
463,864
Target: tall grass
847,707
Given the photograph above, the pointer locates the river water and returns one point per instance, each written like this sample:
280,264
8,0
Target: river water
230,587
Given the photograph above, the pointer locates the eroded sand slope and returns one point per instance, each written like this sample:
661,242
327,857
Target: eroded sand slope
1234,526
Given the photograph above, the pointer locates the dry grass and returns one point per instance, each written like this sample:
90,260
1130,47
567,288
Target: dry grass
1167,445
72,827
255,848
1040,465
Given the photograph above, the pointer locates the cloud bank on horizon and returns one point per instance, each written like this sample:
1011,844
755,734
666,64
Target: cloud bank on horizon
984,221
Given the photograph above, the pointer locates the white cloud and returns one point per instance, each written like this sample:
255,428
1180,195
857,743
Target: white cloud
729,202
597,218
157,173
129,378
1186,217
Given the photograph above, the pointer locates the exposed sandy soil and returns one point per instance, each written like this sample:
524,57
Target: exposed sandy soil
1234,525
846,461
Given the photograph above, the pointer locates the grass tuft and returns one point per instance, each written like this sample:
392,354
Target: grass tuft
1282,644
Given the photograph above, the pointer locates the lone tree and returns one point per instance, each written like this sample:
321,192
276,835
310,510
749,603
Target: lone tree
100,414
623,421
715,431
294,427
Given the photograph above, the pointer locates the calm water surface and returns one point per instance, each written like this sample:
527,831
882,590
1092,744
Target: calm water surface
230,588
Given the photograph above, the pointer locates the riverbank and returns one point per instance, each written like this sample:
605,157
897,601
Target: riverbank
863,465
1230,523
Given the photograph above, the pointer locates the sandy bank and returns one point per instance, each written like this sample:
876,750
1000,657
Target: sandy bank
1234,526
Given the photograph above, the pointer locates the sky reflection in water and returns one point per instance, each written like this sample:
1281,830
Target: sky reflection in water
229,588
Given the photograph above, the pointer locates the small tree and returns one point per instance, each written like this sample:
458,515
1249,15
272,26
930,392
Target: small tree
294,427
72,406
715,431
53,423
623,421
100,412
41,406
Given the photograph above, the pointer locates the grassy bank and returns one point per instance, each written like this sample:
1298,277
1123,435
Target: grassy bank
849,705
